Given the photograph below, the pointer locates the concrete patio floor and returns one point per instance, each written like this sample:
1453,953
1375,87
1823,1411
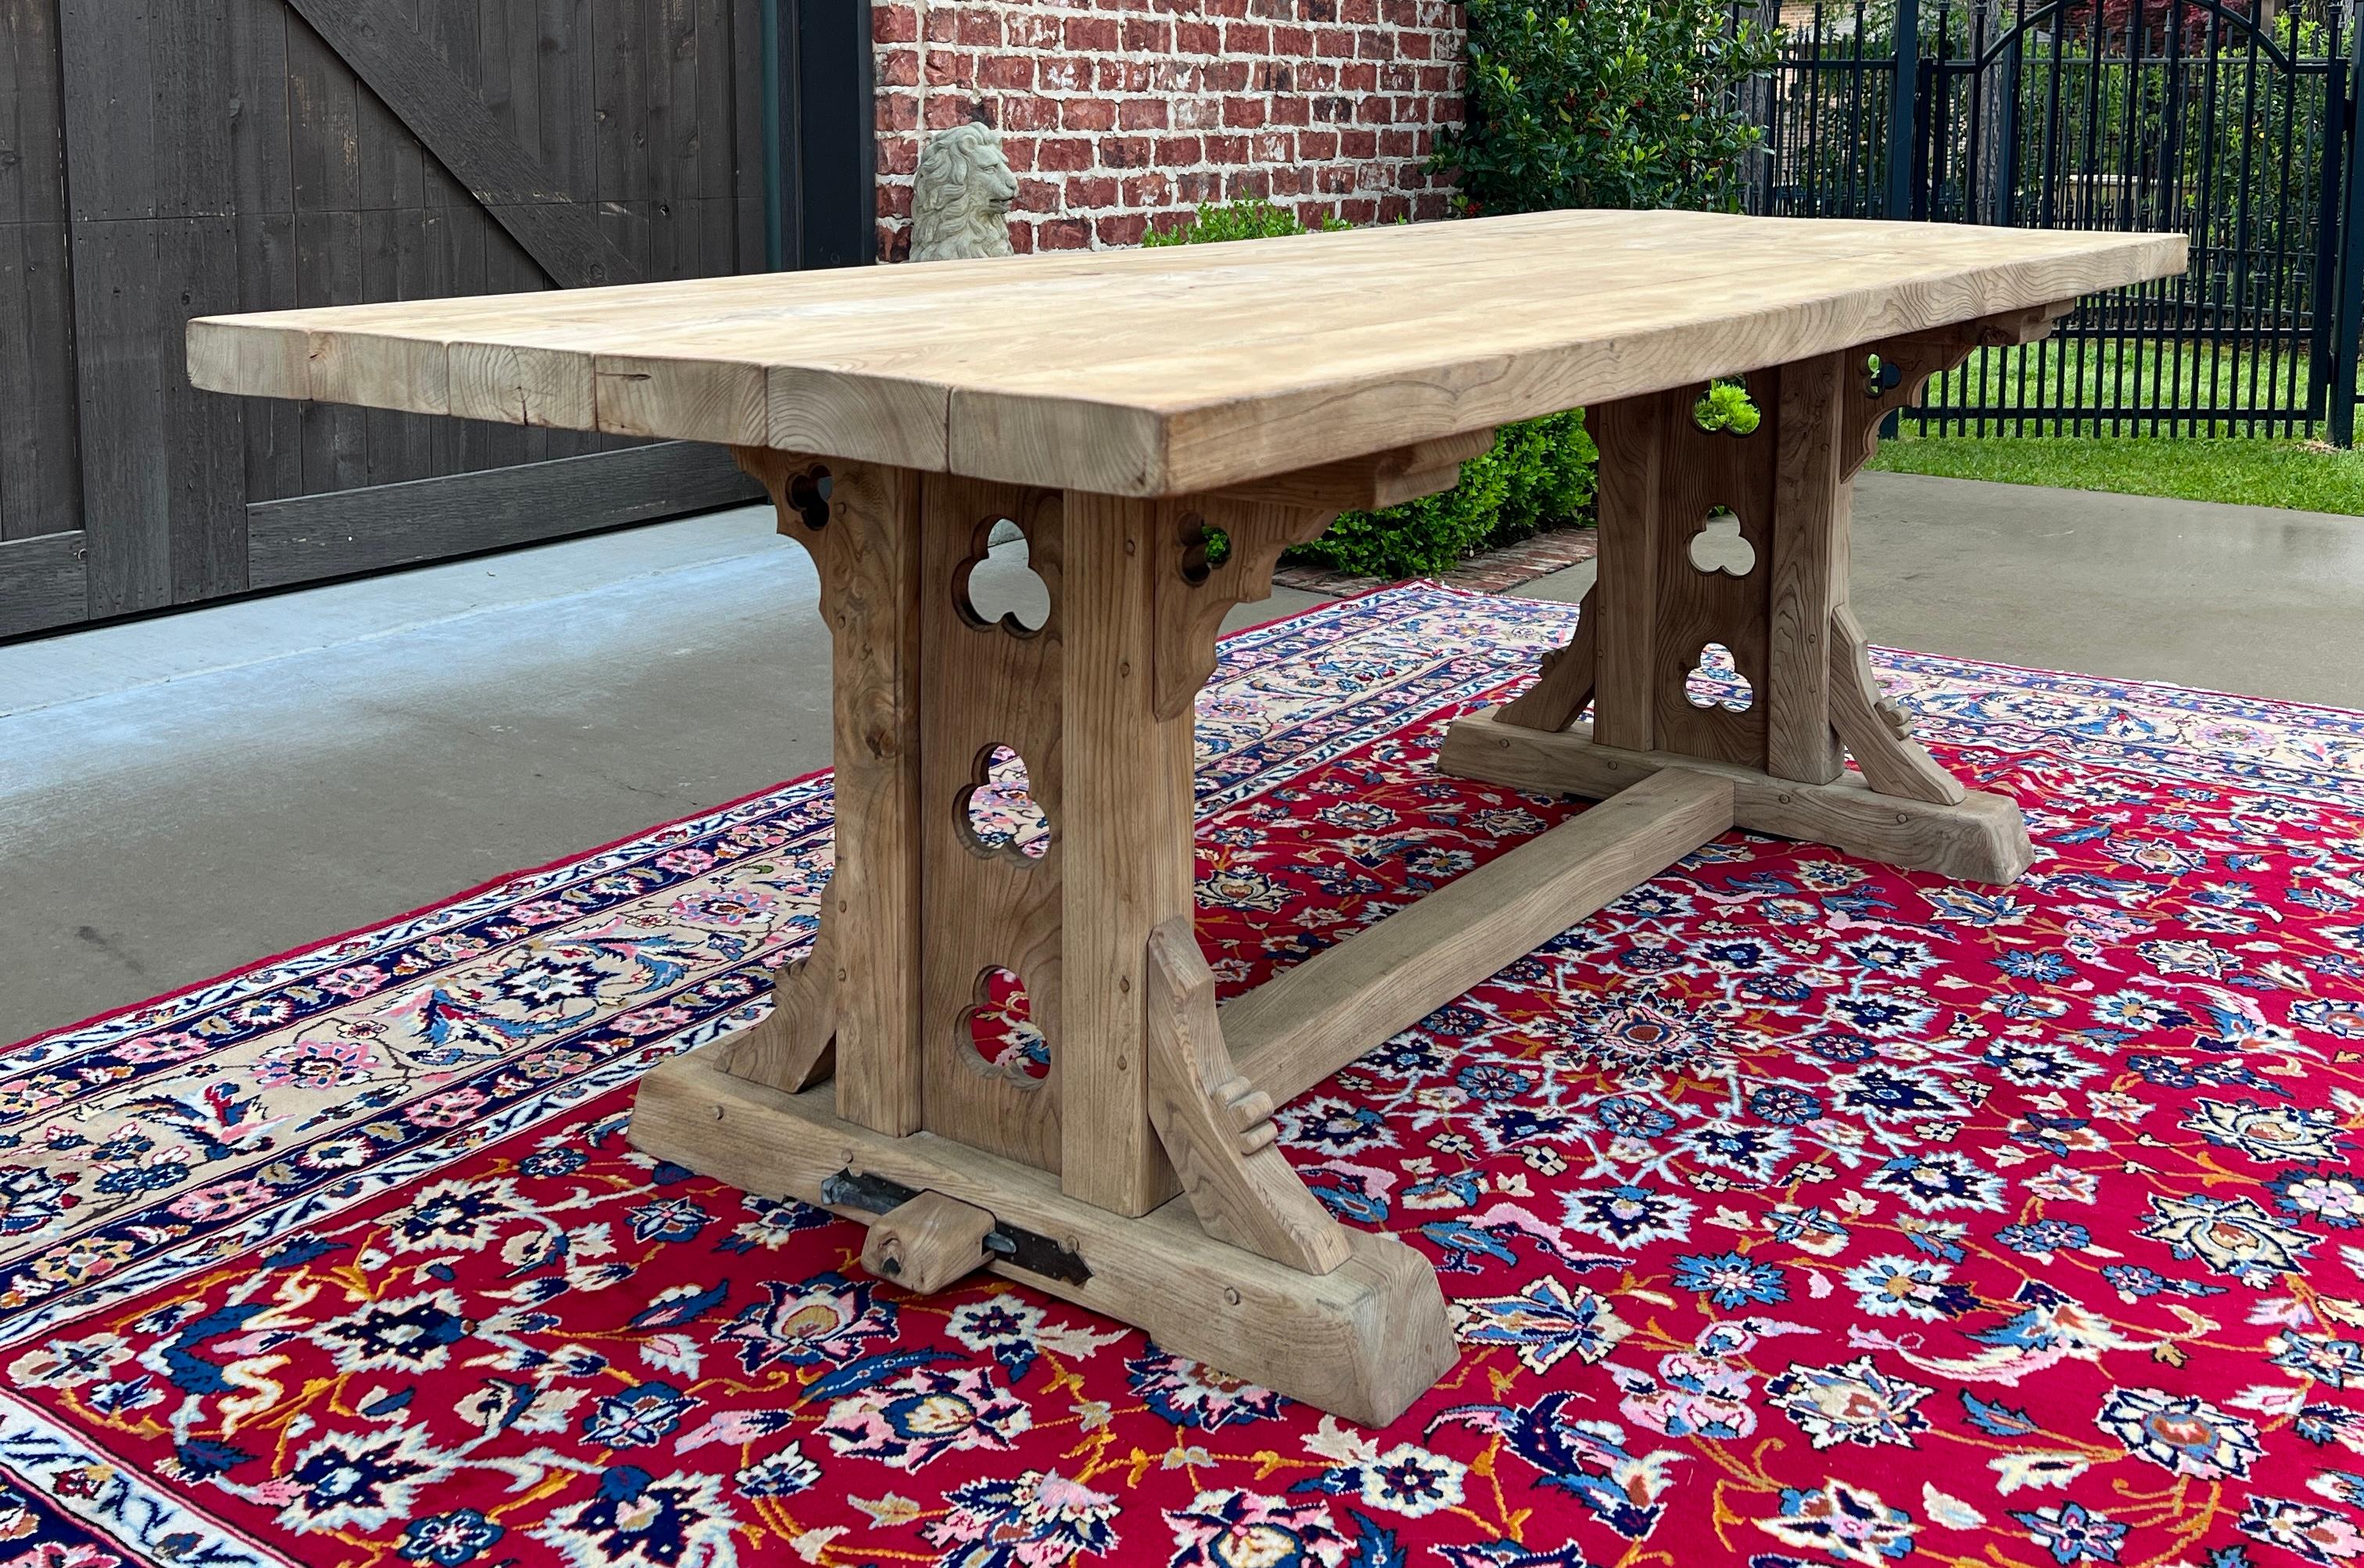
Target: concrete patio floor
184,794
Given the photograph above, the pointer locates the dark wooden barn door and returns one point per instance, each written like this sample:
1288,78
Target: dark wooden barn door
164,159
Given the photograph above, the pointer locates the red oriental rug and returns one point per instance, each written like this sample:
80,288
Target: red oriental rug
1793,1210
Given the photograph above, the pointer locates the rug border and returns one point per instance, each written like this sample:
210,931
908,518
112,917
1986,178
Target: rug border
385,922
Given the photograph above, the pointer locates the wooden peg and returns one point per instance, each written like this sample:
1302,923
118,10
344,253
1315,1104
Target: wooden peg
929,1243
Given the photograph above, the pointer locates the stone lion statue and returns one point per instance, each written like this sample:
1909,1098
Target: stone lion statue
960,206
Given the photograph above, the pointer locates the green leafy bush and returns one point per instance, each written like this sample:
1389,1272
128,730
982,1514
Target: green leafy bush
1538,475
1726,406
1245,219
1605,103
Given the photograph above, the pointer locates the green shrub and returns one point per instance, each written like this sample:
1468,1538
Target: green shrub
1244,219
1605,103
1538,475
1726,406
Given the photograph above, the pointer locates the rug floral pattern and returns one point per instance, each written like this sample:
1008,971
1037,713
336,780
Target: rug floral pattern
1792,1210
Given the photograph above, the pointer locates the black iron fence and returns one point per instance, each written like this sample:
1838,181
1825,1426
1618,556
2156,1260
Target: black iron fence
2235,126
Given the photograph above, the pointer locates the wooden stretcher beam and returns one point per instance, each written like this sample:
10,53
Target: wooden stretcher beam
1981,839
1291,1032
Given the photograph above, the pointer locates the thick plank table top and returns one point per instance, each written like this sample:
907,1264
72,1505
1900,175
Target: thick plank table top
1172,371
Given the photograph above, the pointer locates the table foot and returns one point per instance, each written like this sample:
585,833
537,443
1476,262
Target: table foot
1362,1341
1980,838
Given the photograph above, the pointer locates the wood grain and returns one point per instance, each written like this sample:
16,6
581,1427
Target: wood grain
1179,370
1981,839
1128,845
1304,1024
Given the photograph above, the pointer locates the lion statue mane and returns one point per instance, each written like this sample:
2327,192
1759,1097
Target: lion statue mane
960,205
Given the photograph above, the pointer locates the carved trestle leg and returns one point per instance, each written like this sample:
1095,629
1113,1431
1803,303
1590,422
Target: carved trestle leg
1068,1181
1782,615
858,521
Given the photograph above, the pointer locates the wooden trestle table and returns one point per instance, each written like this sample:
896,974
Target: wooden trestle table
1119,407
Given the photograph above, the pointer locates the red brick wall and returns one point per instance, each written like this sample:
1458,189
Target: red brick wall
1118,114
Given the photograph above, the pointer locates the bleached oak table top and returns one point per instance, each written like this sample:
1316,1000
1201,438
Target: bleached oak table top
1174,370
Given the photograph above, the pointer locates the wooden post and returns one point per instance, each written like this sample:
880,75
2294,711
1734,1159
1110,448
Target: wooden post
1126,844
1631,438
865,540
984,684
1808,570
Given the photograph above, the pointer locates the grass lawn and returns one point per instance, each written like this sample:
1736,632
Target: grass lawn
2101,375
2302,475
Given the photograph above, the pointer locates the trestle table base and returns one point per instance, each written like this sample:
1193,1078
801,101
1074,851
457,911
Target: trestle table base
1141,1177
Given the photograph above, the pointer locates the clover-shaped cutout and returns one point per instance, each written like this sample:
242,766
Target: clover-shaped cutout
1879,375
808,495
1719,546
1726,408
1008,1043
1203,549
998,812
1716,682
997,585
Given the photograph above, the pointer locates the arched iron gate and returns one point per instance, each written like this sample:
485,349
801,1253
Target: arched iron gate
2196,116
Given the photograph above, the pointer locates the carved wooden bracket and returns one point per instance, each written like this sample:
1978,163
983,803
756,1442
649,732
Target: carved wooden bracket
1259,521
1876,731
1907,363
794,1047
1194,596
1568,675
1217,1126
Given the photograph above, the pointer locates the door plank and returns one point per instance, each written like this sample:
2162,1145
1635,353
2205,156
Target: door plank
118,378
40,464
305,537
41,583
558,231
